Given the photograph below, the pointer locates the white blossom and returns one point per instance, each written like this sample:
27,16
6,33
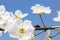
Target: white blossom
3,14
58,17
3,19
21,30
40,9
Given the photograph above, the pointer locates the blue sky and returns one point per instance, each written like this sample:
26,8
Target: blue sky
25,6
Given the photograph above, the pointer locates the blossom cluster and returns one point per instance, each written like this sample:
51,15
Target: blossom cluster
14,25
17,28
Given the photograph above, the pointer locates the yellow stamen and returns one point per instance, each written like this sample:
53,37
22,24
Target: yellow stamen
16,17
40,13
21,30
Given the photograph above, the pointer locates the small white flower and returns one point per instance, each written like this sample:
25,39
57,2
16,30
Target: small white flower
58,17
4,17
3,14
40,9
21,30
4,23
46,37
18,15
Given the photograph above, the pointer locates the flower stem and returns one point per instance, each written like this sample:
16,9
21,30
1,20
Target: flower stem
41,19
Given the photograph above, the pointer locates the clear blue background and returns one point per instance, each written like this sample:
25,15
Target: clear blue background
25,6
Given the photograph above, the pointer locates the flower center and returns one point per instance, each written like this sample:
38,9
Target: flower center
40,13
16,17
21,30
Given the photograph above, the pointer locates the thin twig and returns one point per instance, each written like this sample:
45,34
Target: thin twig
41,19
55,35
39,33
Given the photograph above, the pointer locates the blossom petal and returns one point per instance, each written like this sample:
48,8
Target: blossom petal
2,9
58,17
